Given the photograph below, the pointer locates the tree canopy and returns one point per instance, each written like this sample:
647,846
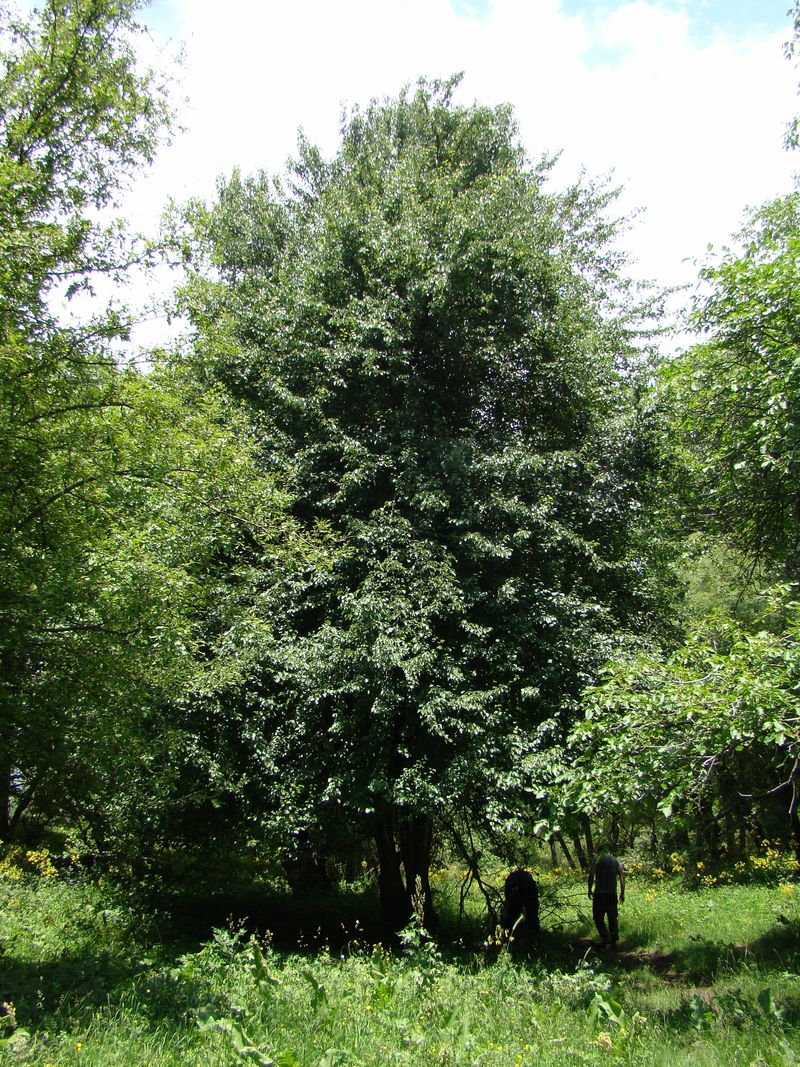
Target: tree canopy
441,351
122,495
734,397
711,727
382,551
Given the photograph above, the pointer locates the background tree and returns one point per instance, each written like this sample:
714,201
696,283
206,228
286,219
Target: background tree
734,397
442,353
75,117
708,733
123,497
710,730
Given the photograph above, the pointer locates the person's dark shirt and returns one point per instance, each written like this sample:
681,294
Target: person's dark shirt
606,870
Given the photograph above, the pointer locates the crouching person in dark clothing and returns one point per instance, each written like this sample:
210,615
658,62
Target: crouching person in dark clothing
521,893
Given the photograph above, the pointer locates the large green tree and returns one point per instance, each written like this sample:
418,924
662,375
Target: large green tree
711,729
734,397
123,497
442,353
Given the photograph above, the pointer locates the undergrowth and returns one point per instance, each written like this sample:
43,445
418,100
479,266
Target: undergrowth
705,976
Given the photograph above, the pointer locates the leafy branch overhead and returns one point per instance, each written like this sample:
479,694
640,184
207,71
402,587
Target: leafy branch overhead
720,709
123,497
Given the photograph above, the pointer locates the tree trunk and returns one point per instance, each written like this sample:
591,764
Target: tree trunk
794,819
565,849
614,832
578,846
707,831
416,840
395,902
730,835
587,833
5,803
414,836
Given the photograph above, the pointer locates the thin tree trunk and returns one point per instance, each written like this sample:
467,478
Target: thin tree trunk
564,848
578,846
471,857
614,833
5,802
794,819
706,836
730,833
587,833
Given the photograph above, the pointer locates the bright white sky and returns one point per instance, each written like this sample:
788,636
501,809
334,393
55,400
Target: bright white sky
685,101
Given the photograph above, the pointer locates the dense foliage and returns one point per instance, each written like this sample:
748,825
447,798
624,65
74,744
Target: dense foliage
441,350
698,734
380,557
709,732
123,497
734,398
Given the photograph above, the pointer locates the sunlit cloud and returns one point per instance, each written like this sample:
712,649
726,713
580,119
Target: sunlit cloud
690,122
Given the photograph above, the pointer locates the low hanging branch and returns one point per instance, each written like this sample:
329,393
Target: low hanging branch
790,781
471,856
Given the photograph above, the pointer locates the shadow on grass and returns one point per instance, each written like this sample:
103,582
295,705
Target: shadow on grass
347,919
704,959
702,1010
68,993
701,960
305,922
64,992
69,989
779,945
294,922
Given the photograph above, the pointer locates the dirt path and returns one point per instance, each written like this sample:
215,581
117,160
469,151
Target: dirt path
660,962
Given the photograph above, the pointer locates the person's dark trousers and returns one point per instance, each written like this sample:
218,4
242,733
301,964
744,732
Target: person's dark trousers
604,906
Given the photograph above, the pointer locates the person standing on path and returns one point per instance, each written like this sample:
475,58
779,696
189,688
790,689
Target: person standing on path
603,876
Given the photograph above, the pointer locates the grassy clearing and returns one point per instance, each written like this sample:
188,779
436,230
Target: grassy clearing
706,976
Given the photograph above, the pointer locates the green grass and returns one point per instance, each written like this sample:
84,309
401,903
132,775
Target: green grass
706,976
